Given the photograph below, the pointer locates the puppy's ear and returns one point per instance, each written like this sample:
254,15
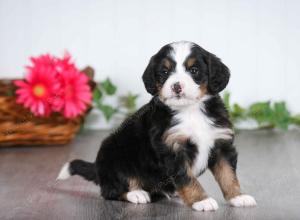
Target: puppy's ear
218,74
149,77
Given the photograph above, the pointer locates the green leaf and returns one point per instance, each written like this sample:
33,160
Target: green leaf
10,92
238,112
295,120
281,116
108,87
108,111
97,95
261,112
129,102
226,99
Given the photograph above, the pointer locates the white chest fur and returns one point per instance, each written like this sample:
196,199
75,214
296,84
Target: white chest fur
193,123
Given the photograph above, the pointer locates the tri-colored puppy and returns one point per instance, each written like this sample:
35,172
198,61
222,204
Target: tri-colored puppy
173,139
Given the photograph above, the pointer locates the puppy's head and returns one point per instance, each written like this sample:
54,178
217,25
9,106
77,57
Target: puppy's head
183,73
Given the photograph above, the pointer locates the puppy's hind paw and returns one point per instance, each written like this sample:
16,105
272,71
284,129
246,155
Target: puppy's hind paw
138,196
208,204
242,201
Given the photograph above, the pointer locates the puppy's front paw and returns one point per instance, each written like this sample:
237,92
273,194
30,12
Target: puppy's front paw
208,204
242,201
138,196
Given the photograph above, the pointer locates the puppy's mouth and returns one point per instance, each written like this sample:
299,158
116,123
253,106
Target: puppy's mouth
179,100
179,96
182,96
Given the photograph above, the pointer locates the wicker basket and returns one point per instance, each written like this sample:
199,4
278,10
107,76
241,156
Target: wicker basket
18,126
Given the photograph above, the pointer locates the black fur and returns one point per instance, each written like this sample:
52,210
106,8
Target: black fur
152,76
137,150
215,73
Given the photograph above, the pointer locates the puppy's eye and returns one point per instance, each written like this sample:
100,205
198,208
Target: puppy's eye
165,71
194,70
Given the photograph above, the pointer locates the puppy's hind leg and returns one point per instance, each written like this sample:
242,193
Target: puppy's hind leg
136,194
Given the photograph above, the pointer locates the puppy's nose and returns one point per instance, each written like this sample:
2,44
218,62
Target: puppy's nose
177,88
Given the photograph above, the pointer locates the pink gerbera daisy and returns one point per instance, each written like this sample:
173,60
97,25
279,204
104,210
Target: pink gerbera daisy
39,86
75,93
54,85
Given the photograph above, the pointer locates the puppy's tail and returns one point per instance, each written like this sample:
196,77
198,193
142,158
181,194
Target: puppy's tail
82,168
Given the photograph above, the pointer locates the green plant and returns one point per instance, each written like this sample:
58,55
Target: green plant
126,103
266,114
129,102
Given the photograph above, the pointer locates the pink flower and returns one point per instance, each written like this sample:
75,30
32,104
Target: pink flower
54,85
65,63
75,93
39,86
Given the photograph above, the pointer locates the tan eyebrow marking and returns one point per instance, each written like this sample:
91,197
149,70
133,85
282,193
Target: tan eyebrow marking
167,64
190,62
203,90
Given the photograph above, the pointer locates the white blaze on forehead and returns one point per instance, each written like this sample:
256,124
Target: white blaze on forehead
181,50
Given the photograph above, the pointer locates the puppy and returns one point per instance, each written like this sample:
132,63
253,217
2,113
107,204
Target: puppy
173,139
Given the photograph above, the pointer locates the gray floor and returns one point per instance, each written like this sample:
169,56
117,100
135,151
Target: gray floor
268,169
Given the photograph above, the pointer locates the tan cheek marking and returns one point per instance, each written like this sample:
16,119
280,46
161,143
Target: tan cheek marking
202,90
227,179
168,65
158,87
193,191
160,95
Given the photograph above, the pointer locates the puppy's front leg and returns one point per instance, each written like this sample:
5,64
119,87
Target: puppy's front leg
193,194
225,175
